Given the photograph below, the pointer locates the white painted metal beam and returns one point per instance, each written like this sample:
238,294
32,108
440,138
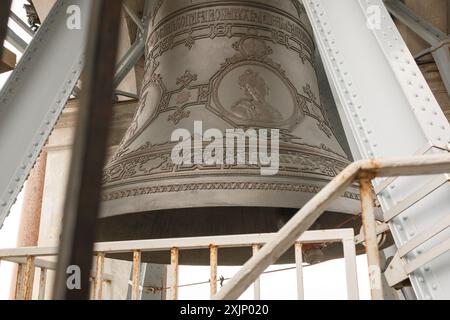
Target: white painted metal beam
234,241
439,41
16,41
35,94
389,110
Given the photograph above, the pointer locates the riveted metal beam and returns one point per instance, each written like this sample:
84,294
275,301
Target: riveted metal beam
388,110
439,40
30,107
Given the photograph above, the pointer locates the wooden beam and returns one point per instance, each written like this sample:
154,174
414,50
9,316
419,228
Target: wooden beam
89,151
8,61
5,5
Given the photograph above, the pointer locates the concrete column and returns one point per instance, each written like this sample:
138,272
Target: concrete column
31,211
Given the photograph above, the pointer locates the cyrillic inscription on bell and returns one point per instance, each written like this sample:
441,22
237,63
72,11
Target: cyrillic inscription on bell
218,68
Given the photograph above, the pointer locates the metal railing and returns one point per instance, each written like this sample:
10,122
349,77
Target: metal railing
268,248
362,171
31,258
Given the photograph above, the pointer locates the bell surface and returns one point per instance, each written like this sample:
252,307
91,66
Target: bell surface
216,66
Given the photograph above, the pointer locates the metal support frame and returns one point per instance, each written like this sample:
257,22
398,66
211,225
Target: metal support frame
351,269
16,41
312,210
29,116
213,254
28,111
257,283
370,239
174,245
299,269
130,12
439,41
21,24
174,252
89,151
371,109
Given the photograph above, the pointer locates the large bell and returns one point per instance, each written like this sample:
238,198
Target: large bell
223,65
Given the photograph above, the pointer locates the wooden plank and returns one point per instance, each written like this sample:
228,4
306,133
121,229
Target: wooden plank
5,5
8,61
234,241
257,283
351,269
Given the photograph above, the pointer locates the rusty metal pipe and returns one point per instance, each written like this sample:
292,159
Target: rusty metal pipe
98,281
213,254
135,275
174,252
371,242
28,279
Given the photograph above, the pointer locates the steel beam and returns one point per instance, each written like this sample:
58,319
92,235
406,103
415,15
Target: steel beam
312,210
16,41
129,60
388,110
21,24
89,151
29,106
439,40
130,12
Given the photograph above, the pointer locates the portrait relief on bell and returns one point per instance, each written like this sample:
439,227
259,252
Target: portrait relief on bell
252,89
